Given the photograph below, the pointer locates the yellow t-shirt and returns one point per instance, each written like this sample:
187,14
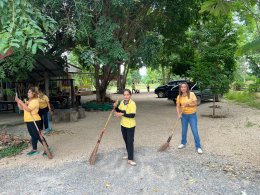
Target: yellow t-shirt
34,106
43,101
183,100
130,108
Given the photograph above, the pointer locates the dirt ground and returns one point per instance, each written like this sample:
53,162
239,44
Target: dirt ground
230,163
236,137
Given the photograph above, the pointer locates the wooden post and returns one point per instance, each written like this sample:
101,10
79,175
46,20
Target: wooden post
46,83
72,92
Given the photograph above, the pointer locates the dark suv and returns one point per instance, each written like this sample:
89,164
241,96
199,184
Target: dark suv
203,95
162,91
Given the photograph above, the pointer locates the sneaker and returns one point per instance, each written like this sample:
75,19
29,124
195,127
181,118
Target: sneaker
199,150
33,152
125,157
181,146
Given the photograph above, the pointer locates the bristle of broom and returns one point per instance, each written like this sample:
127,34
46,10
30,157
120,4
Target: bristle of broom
93,156
164,147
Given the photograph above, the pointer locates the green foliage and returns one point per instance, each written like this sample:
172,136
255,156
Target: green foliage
134,77
216,7
153,76
238,85
22,25
18,65
9,92
254,61
216,63
244,97
13,150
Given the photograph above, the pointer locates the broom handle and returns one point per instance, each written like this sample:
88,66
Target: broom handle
109,117
176,123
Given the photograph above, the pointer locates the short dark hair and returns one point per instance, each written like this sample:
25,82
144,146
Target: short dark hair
128,90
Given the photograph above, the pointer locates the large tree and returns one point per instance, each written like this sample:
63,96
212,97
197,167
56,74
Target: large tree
215,63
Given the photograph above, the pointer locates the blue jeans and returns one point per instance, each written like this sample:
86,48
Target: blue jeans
192,119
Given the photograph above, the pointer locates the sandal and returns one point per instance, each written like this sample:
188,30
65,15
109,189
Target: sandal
130,162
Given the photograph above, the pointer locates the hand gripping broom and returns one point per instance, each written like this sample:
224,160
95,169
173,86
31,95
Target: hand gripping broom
167,144
93,156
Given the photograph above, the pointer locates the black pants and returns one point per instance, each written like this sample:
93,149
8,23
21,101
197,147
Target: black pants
44,116
34,134
78,100
128,135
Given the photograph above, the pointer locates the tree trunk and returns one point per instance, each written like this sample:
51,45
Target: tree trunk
123,79
119,79
169,74
101,85
214,101
126,70
163,74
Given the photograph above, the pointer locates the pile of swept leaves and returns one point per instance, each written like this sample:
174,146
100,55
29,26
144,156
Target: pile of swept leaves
11,145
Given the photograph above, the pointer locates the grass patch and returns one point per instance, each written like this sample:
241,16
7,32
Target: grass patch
250,124
249,99
13,150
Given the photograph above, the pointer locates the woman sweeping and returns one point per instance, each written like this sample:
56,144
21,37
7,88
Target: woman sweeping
44,109
127,110
31,108
186,109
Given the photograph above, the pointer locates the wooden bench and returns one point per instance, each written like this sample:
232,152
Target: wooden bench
4,105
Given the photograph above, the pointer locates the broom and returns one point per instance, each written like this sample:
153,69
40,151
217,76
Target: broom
93,156
45,147
167,144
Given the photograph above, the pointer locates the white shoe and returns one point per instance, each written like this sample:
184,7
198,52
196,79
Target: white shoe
130,162
181,146
125,157
199,150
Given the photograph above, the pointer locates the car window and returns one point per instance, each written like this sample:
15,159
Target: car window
194,87
171,83
175,87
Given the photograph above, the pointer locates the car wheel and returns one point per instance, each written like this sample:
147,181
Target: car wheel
160,94
198,100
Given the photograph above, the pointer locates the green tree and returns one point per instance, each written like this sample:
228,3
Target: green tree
215,64
23,25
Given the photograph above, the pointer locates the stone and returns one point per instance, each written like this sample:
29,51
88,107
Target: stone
74,115
82,113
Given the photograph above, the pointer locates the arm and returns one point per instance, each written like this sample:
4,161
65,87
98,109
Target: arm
20,106
131,115
192,104
178,107
118,110
132,112
25,107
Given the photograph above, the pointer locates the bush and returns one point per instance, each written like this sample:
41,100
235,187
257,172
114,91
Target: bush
238,85
244,97
253,88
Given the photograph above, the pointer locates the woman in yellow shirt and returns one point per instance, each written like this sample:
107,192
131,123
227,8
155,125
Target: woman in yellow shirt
31,108
127,110
44,108
186,106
